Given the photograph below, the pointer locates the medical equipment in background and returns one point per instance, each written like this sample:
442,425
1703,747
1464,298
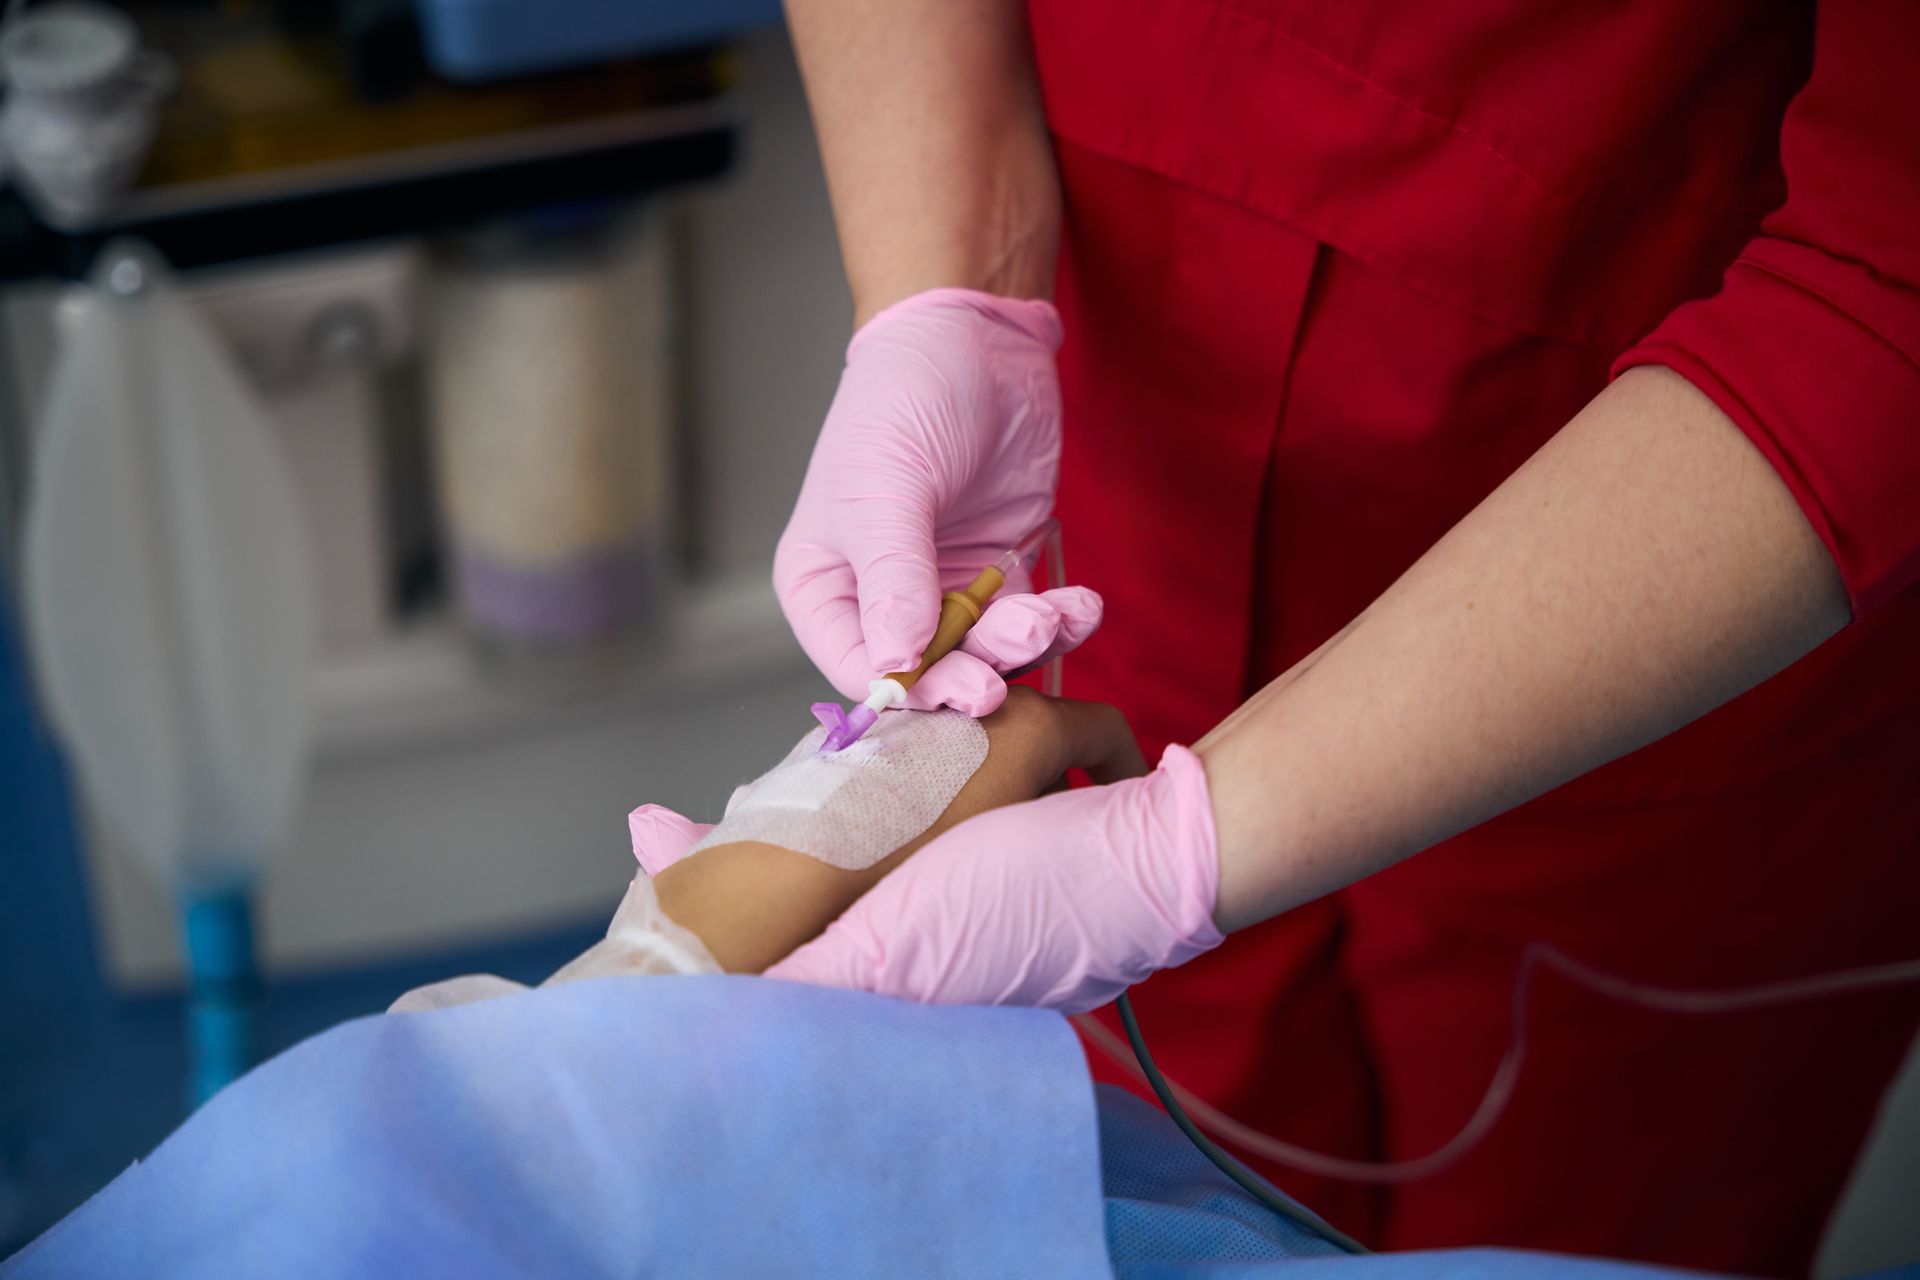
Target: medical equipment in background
82,108
170,611
959,610
332,343
317,337
552,398
327,344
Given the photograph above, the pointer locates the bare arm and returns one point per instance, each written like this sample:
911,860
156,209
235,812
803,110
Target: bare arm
928,114
1643,568
751,903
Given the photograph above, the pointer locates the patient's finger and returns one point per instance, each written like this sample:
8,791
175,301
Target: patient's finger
1095,736
662,837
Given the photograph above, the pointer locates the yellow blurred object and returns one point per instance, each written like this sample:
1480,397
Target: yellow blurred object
251,101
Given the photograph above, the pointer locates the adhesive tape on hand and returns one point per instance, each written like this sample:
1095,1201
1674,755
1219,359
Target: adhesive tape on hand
852,808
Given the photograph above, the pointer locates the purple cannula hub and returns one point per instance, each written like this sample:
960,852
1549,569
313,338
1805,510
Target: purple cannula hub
844,728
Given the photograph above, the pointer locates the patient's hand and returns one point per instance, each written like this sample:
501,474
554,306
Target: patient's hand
751,903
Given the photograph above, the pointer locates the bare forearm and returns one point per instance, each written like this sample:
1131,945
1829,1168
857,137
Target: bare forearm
936,150
1644,567
751,903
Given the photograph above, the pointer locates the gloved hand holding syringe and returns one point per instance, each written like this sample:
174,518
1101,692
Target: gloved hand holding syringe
959,612
940,452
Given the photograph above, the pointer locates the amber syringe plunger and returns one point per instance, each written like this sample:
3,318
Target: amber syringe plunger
959,610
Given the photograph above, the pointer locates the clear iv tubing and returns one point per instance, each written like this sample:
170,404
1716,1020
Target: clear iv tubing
1044,538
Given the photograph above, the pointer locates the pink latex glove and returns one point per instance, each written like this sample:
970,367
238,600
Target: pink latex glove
662,837
941,450
1061,902
1016,633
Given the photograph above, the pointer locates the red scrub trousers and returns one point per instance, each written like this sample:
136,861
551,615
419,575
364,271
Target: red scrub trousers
1331,274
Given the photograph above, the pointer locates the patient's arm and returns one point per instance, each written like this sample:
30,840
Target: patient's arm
752,903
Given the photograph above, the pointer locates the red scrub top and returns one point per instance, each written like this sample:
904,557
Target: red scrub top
1332,271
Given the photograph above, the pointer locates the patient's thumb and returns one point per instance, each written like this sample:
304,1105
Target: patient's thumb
662,837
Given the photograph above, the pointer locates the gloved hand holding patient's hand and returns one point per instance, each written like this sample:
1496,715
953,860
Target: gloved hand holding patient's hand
1061,902
941,450
753,901
741,899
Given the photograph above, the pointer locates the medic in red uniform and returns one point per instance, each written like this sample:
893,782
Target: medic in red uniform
1329,274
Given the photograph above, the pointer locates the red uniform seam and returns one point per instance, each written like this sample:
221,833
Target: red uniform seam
1454,126
1396,271
1787,278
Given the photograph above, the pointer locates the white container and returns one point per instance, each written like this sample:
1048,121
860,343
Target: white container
551,396
167,585
82,106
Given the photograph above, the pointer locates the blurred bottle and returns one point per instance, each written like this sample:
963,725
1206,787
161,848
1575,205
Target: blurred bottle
551,392
82,106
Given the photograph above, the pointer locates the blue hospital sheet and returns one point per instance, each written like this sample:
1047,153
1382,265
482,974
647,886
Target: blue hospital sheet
1172,1216
712,1126
720,1126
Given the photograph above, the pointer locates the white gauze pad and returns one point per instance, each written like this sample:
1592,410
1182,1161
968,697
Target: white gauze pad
852,808
641,939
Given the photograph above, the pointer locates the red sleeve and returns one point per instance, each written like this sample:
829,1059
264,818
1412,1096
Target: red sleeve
1812,344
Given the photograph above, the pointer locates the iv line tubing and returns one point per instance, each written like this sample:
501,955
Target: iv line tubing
1286,1208
1243,1177
1500,1087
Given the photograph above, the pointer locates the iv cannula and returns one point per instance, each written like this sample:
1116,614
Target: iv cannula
959,610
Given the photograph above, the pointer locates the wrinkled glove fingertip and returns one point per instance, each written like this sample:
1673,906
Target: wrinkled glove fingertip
661,837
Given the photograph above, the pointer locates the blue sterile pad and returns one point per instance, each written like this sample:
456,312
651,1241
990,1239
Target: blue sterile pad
714,1126
698,1126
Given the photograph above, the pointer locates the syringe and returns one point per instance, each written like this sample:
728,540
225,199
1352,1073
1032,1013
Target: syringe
959,610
